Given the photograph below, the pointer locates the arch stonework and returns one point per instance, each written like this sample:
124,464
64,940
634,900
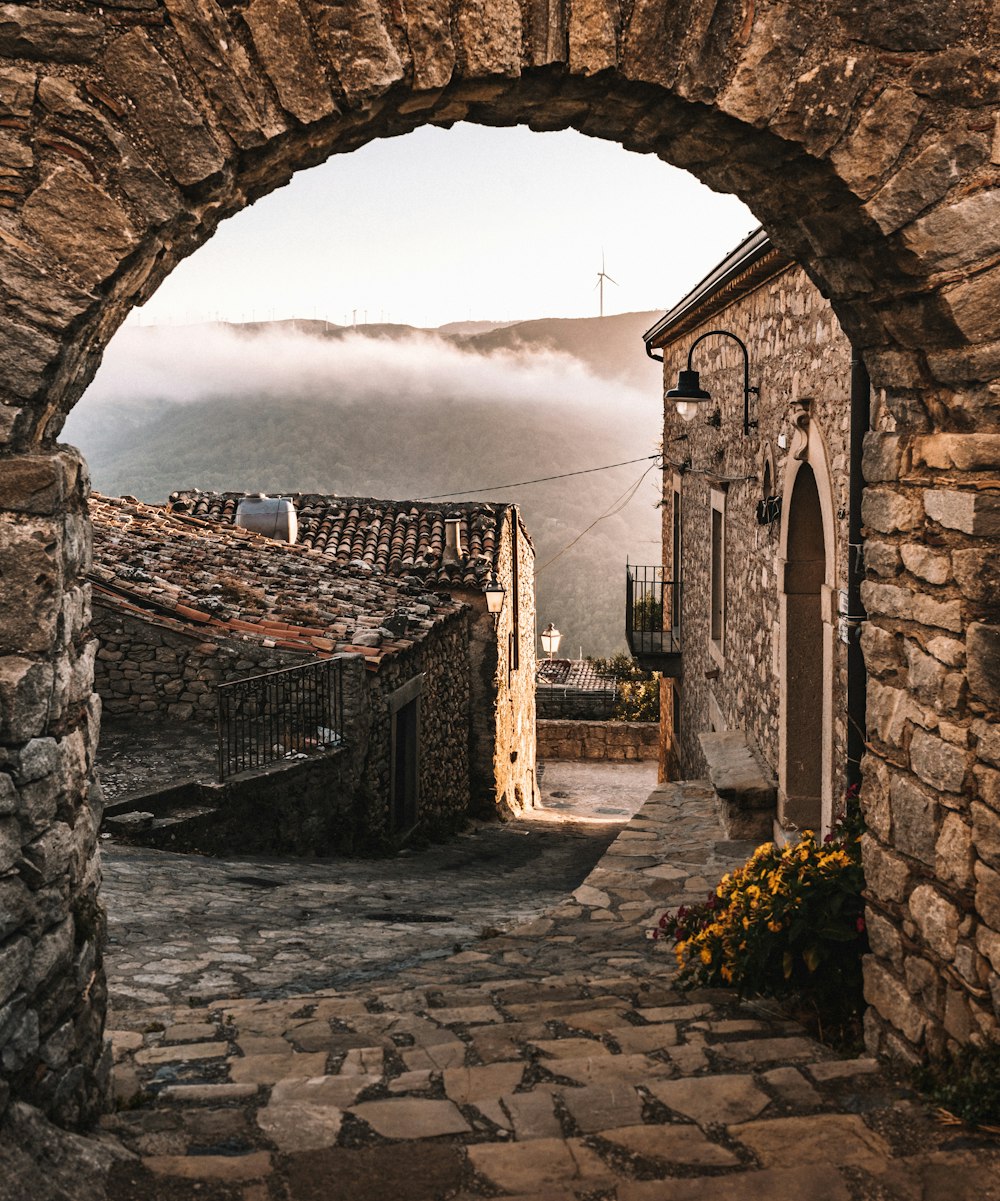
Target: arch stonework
863,136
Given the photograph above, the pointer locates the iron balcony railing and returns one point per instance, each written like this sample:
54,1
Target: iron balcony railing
289,712
652,613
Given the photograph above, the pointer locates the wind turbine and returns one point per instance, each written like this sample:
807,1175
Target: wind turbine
602,275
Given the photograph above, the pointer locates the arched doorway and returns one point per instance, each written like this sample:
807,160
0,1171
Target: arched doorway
806,678
132,134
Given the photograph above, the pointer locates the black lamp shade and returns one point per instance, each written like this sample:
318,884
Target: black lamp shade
688,388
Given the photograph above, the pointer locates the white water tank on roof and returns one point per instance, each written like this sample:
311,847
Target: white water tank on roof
272,516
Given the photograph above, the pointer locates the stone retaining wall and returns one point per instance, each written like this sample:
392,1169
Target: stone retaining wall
144,667
610,740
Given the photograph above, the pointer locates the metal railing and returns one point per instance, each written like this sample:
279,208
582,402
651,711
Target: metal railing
652,612
284,713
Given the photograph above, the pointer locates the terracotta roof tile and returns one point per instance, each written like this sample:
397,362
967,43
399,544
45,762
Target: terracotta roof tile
394,537
210,578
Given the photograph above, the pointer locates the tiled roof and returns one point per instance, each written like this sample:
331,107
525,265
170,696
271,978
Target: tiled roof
396,537
223,582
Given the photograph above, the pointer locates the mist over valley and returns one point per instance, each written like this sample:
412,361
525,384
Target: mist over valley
396,412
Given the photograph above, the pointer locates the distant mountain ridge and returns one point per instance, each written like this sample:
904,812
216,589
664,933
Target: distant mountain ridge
398,413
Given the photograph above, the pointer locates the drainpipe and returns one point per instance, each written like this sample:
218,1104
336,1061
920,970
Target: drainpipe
856,677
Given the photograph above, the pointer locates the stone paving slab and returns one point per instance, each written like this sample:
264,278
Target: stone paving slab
408,1093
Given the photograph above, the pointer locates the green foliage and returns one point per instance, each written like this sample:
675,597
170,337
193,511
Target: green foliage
647,613
967,1086
788,923
638,693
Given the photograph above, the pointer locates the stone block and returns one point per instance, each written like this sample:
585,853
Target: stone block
15,955
953,857
890,997
977,573
920,560
885,458
938,763
33,484
135,68
937,920
885,939
886,874
88,230
983,662
863,158
53,954
959,452
924,179
970,512
358,46
914,819
986,833
47,34
888,512
25,687
988,785
881,558
281,38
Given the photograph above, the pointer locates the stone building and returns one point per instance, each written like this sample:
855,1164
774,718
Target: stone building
458,549
756,536
864,136
181,605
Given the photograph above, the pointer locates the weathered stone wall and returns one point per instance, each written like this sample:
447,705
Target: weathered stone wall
931,791
607,740
443,657
865,138
514,686
797,350
143,667
52,987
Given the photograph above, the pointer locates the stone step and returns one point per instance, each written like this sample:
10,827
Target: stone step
747,792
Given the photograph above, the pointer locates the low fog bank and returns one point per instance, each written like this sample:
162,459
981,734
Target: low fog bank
405,414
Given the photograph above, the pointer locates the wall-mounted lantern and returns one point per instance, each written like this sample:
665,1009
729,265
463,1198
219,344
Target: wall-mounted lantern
550,639
689,394
494,593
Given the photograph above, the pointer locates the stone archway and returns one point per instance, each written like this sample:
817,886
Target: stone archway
863,137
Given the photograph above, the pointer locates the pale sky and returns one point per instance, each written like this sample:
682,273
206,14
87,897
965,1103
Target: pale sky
471,223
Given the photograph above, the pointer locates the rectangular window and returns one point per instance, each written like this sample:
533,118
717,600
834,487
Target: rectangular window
717,616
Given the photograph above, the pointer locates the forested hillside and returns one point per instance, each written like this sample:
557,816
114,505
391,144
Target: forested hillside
393,412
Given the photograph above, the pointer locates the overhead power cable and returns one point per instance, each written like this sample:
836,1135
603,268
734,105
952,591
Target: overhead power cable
616,508
541,480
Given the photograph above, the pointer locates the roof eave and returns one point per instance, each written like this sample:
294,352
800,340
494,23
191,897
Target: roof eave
756,259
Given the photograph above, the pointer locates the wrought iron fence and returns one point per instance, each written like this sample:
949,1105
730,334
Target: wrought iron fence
291,711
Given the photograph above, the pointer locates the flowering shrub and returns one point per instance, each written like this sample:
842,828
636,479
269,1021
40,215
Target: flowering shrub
789,922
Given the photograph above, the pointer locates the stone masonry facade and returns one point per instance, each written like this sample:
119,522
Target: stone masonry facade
867,140
801,361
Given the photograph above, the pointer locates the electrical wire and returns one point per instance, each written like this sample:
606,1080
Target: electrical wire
541,480
616,507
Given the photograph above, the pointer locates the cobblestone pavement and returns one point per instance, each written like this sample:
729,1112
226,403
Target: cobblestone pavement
553,1063
187,927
